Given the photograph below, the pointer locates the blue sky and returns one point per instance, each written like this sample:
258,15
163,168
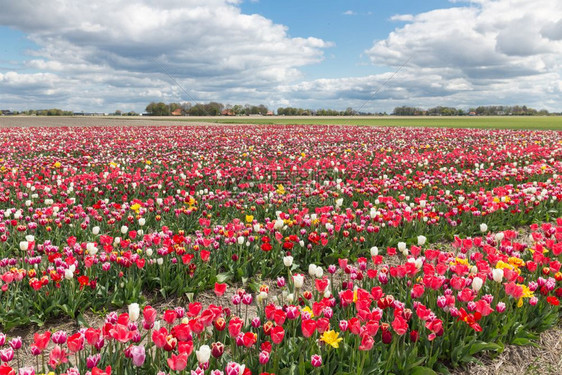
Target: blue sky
120,54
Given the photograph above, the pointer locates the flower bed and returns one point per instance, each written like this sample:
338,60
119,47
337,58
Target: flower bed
433,307
98,216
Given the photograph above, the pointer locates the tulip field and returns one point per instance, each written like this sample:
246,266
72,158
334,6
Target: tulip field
275,249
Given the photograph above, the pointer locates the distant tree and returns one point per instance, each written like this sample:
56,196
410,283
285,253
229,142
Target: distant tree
237,109
158,109
185,107
118,113
173,106
407,111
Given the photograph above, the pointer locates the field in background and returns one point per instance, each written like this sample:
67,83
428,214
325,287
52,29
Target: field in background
504,122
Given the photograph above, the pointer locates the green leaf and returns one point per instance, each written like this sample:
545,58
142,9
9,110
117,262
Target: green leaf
223,277
481,346
421,370
521,341
36,320
81,321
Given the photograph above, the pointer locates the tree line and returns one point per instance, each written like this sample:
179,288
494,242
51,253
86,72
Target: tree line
493,110
216,109
205,109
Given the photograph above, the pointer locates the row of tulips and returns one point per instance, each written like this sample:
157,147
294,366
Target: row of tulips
403,310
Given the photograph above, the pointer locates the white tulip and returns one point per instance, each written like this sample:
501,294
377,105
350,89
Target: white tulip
374,251
68,274
312,269
261,297
421,240
319,272
30,238
203,354
497,275
288,261
134,311
96,230
278,224
483,227
298,280
499,236
477,283
124,229
142,221
24,245
401,246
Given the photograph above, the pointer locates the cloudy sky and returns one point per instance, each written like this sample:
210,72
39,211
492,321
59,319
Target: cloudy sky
371,55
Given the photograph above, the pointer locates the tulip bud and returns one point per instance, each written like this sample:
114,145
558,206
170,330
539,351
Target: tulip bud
138,354
264,357
316,360
16,343
217,349
26,371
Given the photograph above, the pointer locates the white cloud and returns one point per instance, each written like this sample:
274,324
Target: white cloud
349,13
503,50
202,44
402,17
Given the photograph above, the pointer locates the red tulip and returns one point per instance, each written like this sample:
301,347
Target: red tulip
97,371
75,342
177,362
220,289
308,327
41,340
277,334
